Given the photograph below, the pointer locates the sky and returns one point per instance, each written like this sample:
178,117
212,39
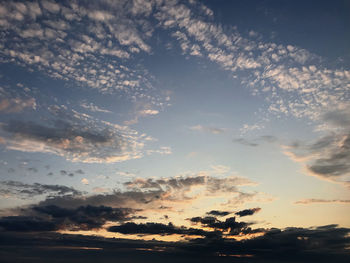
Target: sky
184,130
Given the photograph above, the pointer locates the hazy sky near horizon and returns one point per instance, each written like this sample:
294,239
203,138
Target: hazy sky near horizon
176,108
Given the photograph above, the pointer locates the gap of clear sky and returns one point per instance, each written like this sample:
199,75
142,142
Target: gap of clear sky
171,120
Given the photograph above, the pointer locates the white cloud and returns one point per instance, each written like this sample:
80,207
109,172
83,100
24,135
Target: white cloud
209,129
85,181
92,107
148,112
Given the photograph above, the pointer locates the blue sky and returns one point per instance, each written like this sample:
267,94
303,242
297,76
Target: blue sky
196,105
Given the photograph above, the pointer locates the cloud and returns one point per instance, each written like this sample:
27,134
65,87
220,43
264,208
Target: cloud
92,107
148,112
191,187
285,75
218,213
248,212
53,218
26,224
84,217
321,201
212,130
74,136
85,181
320,244
156,229
327,158
113,33
247,127
15,105
155,196
246,142
22,190
230,224
257,141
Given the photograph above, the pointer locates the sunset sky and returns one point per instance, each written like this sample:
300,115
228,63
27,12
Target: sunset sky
192,130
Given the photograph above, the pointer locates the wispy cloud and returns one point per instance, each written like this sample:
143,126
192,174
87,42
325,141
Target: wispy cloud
209,129
311,201
15,189
92,107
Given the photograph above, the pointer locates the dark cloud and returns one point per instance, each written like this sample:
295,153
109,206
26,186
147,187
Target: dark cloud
337,161
248,212
32,169
64,172
79,171
328,157
230,224
246,142
75,136
208,220
52,218
84,217
294,245
26,224
24,190
218,213
257,141
338,118
156,193
157,229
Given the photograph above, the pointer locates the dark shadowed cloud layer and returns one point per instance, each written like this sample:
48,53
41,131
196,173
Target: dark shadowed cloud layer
322,244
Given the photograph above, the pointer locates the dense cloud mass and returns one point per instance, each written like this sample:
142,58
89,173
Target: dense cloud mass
248,212
322,244
52,218
218,213
157,229
230,224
